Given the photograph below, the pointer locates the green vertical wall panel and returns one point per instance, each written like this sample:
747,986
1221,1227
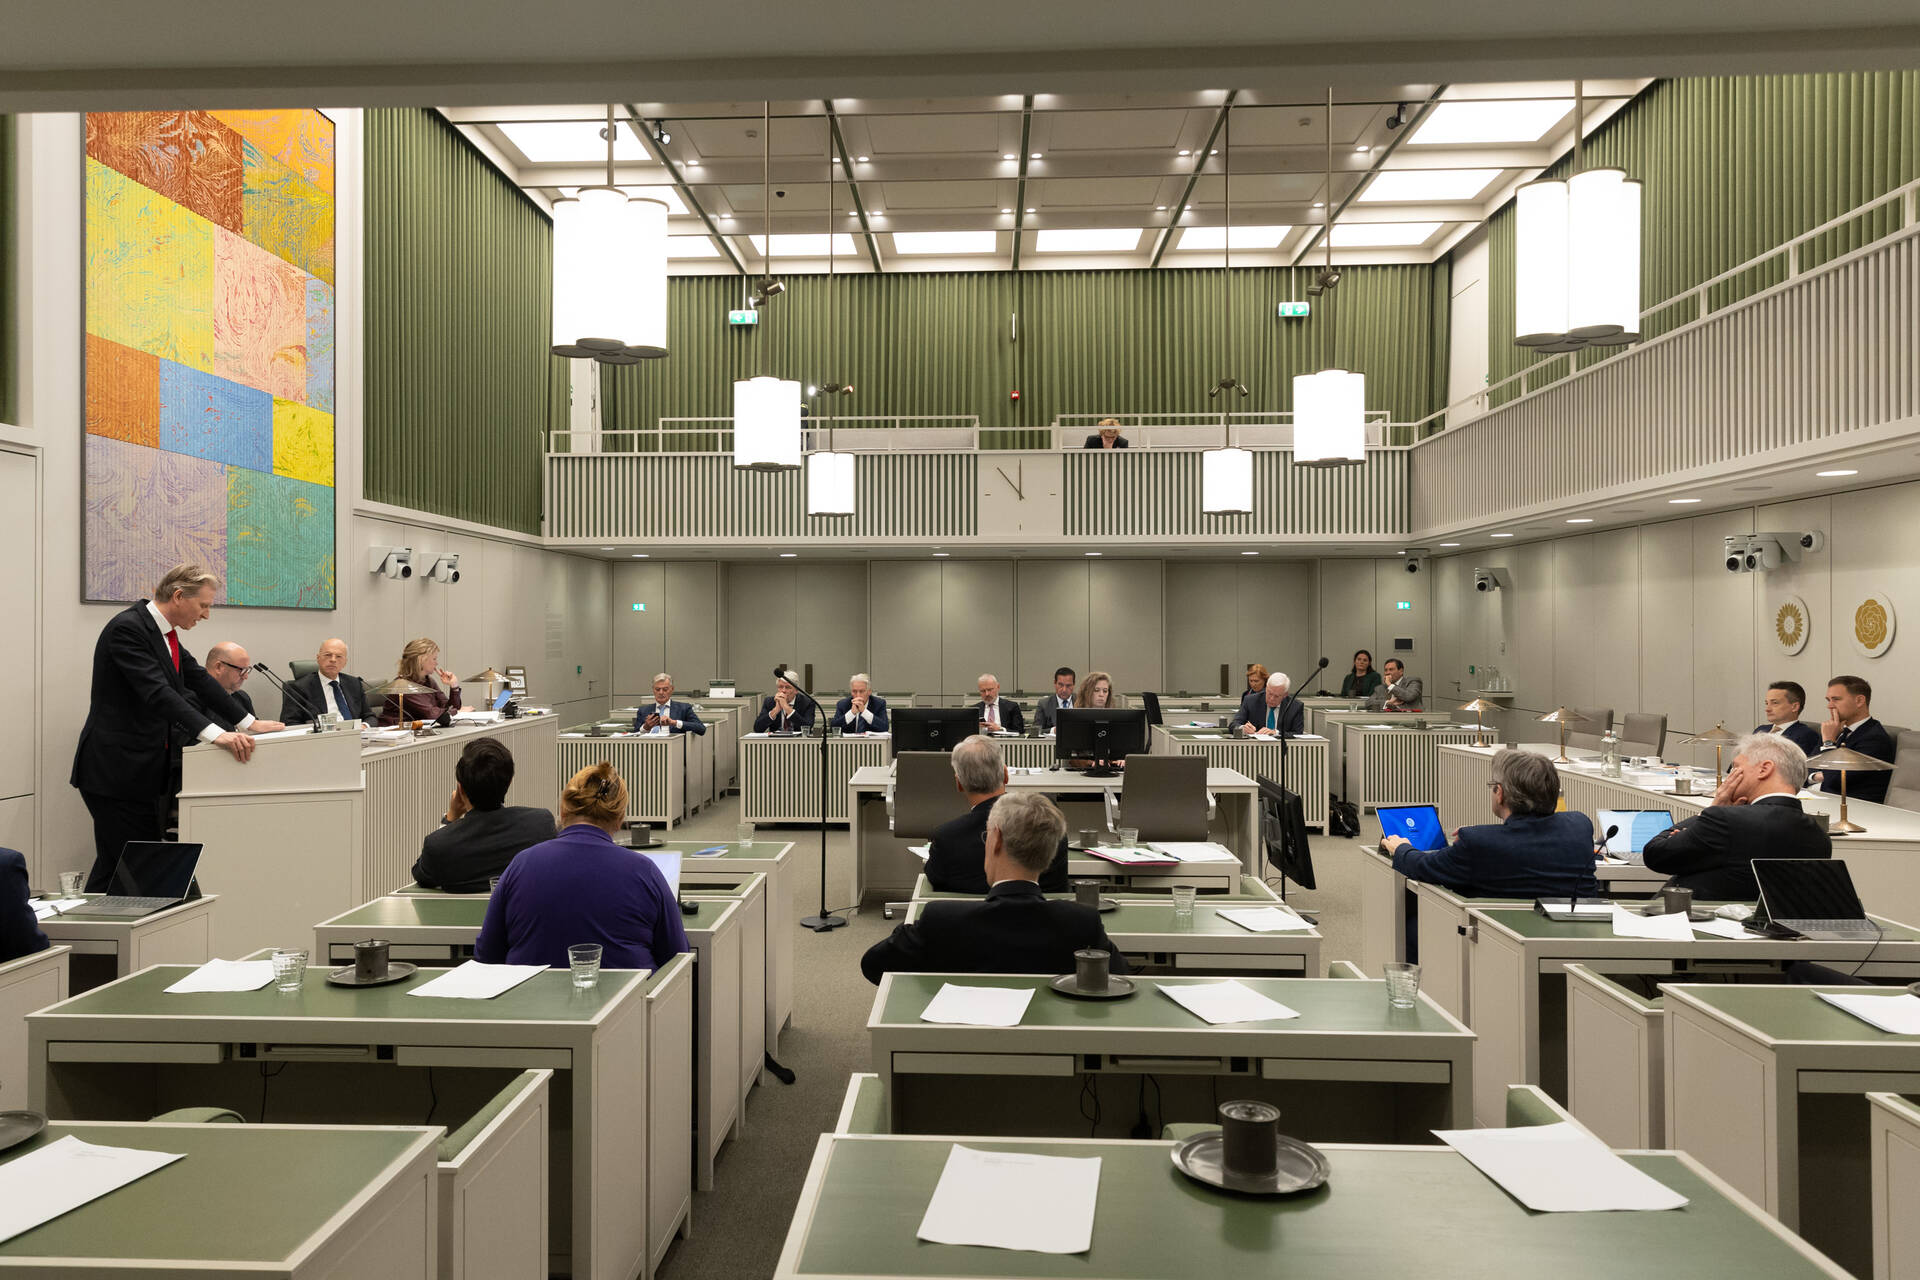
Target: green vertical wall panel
460,388
1734,166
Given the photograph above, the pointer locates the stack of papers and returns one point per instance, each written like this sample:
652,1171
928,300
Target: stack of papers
1195,851
1130,857
226,975
1559,1168
1898,1014
1672,927
1265,919
63,1175
1208,736
44,907
1723,929
1227,1001
978,1006
1012,1200
476,717
476,981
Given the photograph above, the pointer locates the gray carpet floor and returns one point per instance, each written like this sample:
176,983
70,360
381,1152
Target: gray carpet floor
740,1225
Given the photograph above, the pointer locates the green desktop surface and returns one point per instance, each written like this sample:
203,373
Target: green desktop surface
1384,1212
1155,916
449,911
1797,1013
1324,1004
1529,923
244,1193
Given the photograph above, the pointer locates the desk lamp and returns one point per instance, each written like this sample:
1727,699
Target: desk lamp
399,687
1562,716
1843,761
1479,707
1720,736
493,682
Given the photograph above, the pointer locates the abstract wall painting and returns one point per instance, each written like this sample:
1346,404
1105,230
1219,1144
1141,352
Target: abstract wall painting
209,353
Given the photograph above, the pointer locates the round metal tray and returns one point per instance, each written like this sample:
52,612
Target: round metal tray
18,1126
397,971
1118,988
1301,1167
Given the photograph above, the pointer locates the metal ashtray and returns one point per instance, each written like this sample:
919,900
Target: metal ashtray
17,1127
1297,1166
1068,984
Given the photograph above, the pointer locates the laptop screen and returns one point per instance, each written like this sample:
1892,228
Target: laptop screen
154,869
506,696
669,864
1417,824
1637,826
1807,889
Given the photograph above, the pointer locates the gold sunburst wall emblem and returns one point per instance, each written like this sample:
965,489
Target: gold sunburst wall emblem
1873,624
1790,625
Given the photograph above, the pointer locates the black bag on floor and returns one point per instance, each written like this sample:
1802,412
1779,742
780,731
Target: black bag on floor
1342,818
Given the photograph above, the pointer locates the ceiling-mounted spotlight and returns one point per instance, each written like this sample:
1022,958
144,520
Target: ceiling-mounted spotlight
769,286
1323,280
1399,116
837,389
1228,384
660,135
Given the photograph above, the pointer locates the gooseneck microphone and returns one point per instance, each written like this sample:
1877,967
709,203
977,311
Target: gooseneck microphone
287,692
1317,672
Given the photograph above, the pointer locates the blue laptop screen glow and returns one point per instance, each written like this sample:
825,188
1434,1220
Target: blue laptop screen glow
1417,824
1637,826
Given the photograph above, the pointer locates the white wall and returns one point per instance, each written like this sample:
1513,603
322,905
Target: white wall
1647,618
1467,322
515,604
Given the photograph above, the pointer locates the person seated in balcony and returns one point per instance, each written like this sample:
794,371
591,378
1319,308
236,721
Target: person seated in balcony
1107,437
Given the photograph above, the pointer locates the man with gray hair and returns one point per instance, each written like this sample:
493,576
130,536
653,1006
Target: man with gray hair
1017,928
1755,814
957,860
1272,712
666,715
862,710
1532,852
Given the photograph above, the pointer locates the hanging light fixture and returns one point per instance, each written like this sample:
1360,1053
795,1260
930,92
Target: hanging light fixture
1577,255
1329,407
766,409
830,475
1226,474
609,273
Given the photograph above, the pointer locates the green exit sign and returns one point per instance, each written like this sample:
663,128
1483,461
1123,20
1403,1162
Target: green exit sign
743,315
1398,604
1295,310
639,608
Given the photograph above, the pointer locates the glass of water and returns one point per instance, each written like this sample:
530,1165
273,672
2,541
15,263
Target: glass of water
289,968
743,834
584,959
1129,836
70,882
1183,896
1403,985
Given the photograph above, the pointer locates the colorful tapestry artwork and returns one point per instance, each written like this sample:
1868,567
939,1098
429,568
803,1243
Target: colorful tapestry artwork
209,354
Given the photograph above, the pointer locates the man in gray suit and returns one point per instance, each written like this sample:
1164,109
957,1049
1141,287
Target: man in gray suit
1399,691
480,833
1047,714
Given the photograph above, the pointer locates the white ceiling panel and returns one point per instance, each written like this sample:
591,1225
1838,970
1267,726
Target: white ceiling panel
1114,130
1428,185
933,134
1093,193
729,138
1282,127
1382,235
1466,123
1264,188
1098,240
978,196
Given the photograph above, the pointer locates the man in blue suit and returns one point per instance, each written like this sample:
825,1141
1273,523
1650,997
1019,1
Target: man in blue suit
19,931
1850,723
862,710
1533,852
665,712
785,710
1785,698
1270,712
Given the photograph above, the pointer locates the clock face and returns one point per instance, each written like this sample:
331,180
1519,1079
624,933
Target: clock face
1791,624
1873,624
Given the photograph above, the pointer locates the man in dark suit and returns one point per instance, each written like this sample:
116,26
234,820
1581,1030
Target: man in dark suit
19,931
956,857
150,699
1755,814
1532,852
1106,436
229,665
1850,723
1270,712
997,714
1016,929
1785,698
481,832
787,710
328,689
666,712
1047,714
862,710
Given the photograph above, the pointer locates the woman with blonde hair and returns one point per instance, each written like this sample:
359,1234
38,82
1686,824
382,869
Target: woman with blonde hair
1256,677
420,663
1095,691
582,887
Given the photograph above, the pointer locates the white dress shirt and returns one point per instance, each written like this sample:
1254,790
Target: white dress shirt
213,731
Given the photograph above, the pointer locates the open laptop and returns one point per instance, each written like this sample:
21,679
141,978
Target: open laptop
1635,828
151,876
1417,824
1812,898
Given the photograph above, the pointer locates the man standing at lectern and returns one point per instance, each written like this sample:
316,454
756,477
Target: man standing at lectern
150,699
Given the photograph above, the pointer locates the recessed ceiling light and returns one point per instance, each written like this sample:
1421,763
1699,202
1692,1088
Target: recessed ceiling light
1682,502
1159,208
1319,204
876,213
1428,184
1100,240
941,555
693,164
1241,238
1006,211
639,555
1580,520
1034,156
1382,235
1093,553
1825,475
1362,149
1399,553
805,245
1031,209
1449,544
1470,122
1249,553
1186,151
1214,152
606,548
944,241
788,555
726,217
1503,535
1009,156
861,160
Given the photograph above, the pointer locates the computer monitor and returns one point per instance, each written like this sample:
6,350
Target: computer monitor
154,869
1283,832
1099,733
1634,828
1417,824
931,728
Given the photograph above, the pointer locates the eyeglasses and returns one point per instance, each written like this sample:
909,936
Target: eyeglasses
234,666
1493,783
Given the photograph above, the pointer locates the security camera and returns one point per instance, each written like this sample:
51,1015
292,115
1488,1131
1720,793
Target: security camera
1491,579
1416,556
1760,552
779,193
1399,116
445,569
1413,565
391,562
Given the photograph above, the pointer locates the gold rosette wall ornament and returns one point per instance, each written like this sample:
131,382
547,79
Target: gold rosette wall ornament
1873,624
1791,624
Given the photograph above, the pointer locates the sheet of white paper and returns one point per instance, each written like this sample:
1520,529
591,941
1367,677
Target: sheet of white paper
226,975
63,1175
1672,927
1012,1200
1195,850
476,981
1265,919
303,731
921,851
476,717
1723,928
1559,1168
1228,1001
1207,737
1585,909
1130,856
1899,1014
44,907
978,1006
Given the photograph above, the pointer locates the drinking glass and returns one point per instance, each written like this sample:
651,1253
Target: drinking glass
1129,836
289,968
743,834
1403,985
70,882
584,959
1183,896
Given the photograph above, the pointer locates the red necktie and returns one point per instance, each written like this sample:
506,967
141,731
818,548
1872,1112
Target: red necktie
173,644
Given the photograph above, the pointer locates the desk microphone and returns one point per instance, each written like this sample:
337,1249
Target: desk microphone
286,692
1607,839
1310,679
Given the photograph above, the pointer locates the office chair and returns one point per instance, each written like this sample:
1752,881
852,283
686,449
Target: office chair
1152,703
921,798
1642,733
1165,797
302,666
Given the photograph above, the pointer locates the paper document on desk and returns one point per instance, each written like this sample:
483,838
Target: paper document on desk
1195,850
978,1006
476,981
1899,1014
1130,857
1672,927
299,731
63,1175
1206,737
1228,1001
476,717
1559,1168
226,975
1723,929
1265,919
44,907
921,851
1012,1200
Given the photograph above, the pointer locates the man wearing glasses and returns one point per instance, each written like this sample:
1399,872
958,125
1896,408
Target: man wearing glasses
229,665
